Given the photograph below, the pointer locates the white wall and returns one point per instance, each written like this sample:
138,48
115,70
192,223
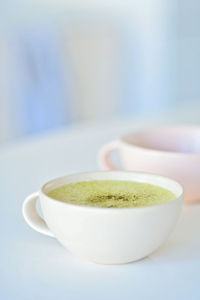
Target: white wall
91,54
7,120
119,57
189,51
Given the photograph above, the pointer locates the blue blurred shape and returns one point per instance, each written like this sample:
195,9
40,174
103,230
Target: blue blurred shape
40,90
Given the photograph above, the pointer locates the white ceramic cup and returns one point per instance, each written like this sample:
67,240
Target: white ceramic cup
169,151
106,235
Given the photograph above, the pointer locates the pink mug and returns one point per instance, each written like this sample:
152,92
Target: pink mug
168,151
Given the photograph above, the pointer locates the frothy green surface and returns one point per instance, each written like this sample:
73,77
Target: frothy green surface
111,193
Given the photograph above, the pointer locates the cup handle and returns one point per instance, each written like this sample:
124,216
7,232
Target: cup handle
104,155
32,217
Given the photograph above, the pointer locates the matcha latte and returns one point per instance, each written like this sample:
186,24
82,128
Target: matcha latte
111,193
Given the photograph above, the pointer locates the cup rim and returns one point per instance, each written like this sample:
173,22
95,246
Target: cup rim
123,140
114,209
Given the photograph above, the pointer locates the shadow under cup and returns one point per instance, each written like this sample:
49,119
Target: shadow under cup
168,151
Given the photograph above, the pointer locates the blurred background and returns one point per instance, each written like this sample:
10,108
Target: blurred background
67,62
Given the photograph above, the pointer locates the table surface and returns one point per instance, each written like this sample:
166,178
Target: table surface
34,266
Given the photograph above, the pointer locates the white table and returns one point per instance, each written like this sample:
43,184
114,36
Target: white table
33,266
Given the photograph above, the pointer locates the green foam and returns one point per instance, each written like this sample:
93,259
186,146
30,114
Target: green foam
111,193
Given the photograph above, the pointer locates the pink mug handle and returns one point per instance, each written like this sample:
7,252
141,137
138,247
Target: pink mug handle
104,155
